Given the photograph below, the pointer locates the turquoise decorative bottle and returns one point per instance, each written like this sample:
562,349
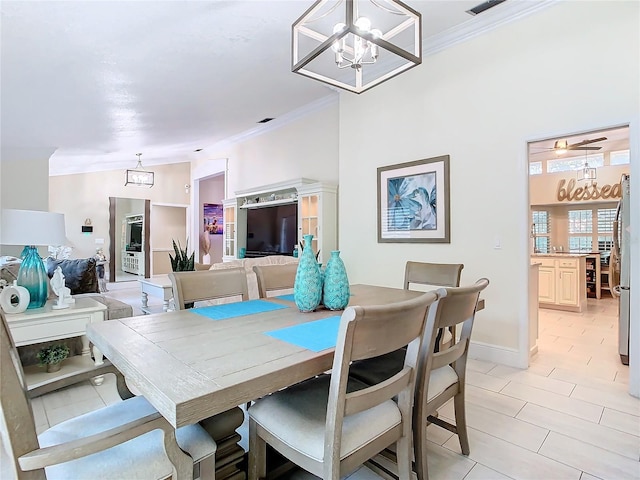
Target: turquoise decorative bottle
336,283
307,288
33,276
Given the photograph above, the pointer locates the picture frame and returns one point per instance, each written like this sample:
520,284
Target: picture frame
213,219
413,202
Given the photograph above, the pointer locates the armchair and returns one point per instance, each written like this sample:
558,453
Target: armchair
93,445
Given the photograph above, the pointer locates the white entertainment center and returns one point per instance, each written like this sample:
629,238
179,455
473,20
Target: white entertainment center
132,244
316,213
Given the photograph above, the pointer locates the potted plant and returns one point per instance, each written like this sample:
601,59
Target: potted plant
182,262
52,356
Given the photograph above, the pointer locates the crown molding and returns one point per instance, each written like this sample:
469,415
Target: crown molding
279,122
504,14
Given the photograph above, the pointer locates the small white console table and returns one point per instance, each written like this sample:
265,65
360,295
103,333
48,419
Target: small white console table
45,324
156,286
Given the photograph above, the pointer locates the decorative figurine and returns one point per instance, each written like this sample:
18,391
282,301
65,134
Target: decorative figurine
61,290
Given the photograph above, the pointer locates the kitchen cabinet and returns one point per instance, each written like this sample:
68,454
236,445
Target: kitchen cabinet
562,283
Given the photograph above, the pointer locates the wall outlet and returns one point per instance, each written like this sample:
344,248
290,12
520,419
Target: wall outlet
99,241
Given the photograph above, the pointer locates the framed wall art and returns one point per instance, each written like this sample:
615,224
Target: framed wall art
212,218
413,201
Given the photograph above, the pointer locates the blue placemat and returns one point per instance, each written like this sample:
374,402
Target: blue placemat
288,298
237,309
315,336
291,298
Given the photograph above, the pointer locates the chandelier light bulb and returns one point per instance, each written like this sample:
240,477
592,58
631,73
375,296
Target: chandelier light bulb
363,24
338,45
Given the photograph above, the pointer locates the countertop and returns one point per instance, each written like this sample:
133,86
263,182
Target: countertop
561,254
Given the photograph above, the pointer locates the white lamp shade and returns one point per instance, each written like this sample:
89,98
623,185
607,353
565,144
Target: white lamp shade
32,227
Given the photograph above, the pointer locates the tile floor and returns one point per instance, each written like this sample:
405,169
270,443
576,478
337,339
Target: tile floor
568,416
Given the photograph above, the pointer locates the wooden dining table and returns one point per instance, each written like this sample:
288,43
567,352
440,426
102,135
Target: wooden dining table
190,367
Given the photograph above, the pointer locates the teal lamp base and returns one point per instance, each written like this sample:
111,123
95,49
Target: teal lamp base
33,276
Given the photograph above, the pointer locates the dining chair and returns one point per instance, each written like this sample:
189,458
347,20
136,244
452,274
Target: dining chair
275,278
197,286
128,439
441,374
433,275
329,425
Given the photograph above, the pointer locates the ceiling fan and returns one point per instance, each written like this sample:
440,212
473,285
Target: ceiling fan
561,146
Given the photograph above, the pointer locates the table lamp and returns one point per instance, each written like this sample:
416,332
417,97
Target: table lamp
32,228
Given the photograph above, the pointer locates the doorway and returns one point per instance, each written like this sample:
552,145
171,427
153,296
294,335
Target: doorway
574,189
129,226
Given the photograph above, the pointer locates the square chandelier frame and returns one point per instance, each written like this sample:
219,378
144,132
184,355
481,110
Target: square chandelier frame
139,178
303,30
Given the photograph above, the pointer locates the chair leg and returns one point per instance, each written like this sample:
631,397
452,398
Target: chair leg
403,457
257,453
420,447
461,422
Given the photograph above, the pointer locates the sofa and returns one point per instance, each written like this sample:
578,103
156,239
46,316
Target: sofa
248,264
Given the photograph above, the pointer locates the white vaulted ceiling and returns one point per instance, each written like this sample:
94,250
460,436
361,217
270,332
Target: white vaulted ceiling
99,81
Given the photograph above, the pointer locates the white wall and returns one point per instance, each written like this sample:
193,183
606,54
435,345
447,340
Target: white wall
86,195
305,148
480,102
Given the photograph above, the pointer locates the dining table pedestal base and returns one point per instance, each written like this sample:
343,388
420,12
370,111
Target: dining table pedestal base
230,456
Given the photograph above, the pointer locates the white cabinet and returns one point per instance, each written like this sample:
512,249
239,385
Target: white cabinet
546,284
229,244
133,244
317,213
133,262
562,282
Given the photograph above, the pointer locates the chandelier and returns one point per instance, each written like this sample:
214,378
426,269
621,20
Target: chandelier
586,173
356,44
139,177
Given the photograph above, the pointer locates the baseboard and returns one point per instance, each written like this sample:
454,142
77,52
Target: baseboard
495,353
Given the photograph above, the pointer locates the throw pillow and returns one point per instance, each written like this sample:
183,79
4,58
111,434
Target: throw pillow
79,275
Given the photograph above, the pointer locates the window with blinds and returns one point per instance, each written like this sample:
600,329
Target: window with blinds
621,157
568,164
606,216
535,168
580,223
541,229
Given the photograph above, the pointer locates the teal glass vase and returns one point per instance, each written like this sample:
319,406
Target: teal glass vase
336,283
33,276
307,288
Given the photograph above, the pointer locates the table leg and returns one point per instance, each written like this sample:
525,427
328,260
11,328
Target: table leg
145,300
85,345
98,358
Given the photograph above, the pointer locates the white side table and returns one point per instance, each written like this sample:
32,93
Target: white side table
45,324
156,286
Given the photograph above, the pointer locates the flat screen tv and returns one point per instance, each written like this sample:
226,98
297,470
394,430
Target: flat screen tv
272,230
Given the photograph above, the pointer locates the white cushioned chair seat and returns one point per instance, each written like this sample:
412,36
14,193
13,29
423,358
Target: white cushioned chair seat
441,379
126,458
297,416
446,336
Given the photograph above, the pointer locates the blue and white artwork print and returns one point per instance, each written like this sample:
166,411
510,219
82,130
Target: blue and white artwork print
412,202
